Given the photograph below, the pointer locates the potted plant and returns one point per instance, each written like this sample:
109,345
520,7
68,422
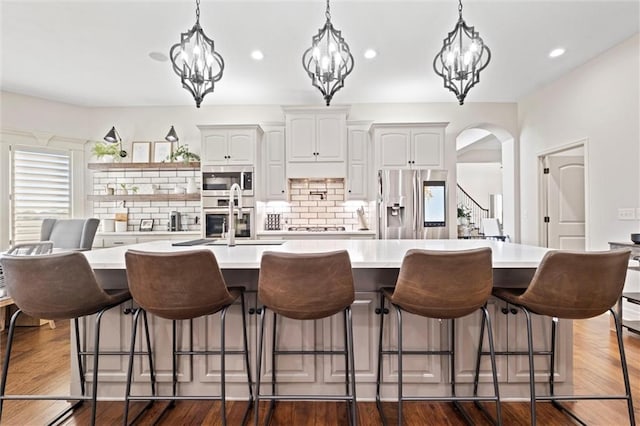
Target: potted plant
124,190
106,151
183,154
464,215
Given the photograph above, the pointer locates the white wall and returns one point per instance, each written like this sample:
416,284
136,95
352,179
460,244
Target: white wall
480,180
598,101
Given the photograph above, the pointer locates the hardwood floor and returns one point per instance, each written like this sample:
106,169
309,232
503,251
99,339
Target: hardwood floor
40,364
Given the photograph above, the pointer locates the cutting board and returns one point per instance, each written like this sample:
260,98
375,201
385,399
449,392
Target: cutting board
122,214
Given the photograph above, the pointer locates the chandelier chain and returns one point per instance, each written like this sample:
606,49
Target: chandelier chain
197,11
328,12
460,7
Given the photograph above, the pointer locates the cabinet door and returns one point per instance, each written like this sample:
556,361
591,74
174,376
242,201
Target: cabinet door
419,333
517,341
393,148
241,147
292,335
365,343
214,148
301,138
467,333
330,142
357,164
427,146
207,332
274,165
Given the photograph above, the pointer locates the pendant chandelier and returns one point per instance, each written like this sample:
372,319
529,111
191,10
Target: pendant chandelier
195,60
461,58
328,61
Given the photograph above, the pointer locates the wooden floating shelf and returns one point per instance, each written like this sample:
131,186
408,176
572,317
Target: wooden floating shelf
145,166
146,197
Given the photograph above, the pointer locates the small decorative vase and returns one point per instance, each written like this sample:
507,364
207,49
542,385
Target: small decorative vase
192,188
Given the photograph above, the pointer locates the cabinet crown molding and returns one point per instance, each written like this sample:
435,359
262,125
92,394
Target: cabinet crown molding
317,110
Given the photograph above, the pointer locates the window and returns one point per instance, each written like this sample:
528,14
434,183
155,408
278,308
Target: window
40,188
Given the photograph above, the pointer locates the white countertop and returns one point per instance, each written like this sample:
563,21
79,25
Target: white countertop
186,234
312,233
363,253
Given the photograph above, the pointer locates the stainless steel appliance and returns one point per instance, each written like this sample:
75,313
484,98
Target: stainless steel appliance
175,221
412,204
217,180
215,217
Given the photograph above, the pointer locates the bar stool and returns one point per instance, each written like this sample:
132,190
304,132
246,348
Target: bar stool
443,285
183,286
59,287
307,286
570,285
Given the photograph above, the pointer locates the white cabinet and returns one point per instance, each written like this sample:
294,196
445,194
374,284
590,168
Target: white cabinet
229,144
357,161
316,137
273,155
113,239
510,334
410,145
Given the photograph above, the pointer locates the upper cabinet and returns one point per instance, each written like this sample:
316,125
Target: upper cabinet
229,144
409,145
273,157
316,135
357,160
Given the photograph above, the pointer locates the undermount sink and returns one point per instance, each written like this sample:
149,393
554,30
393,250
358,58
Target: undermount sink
222,242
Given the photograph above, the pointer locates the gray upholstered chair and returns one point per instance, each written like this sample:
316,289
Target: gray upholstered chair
69,233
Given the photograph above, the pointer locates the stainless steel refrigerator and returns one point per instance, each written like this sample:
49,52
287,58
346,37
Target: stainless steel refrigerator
412,204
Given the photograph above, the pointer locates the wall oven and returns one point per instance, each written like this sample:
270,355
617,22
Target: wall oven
217,180
215,218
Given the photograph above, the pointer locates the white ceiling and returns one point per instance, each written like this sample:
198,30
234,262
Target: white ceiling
95,53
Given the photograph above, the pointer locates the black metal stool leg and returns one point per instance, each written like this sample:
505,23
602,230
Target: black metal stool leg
476,377
245,342
132,348
223,394
152,371
259,364
625,369
379,370
352,366
96,350
494,368
274,340
7,357
532,381
80,357
399,318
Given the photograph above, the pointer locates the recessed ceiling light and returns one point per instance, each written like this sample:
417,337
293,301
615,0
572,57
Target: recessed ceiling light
556,52
257,55
158,56
370,53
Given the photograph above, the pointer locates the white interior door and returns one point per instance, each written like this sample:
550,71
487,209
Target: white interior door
566,202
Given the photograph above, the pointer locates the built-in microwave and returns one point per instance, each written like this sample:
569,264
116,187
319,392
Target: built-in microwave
217,180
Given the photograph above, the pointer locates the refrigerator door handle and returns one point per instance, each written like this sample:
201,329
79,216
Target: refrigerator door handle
416,204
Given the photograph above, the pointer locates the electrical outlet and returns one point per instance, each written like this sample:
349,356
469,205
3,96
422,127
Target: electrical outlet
627,214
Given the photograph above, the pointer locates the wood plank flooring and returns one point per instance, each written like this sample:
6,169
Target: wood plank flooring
40,364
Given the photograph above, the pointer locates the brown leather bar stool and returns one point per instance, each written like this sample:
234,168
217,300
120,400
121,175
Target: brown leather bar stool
307,286
570,285
442,285
184,286
60,287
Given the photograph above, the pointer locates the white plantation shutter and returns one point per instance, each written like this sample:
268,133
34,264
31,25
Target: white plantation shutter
41,188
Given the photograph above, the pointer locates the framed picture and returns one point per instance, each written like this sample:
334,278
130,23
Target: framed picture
161,151
141,152
146,224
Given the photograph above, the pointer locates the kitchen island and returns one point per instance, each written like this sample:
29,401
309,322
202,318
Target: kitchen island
375,263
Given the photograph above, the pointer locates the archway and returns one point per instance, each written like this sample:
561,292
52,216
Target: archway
510,180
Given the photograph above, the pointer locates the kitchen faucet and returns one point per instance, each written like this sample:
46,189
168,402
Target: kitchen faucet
235,189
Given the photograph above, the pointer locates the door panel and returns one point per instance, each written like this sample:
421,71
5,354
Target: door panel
566,202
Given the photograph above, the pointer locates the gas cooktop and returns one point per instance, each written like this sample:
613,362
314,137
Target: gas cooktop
317,228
